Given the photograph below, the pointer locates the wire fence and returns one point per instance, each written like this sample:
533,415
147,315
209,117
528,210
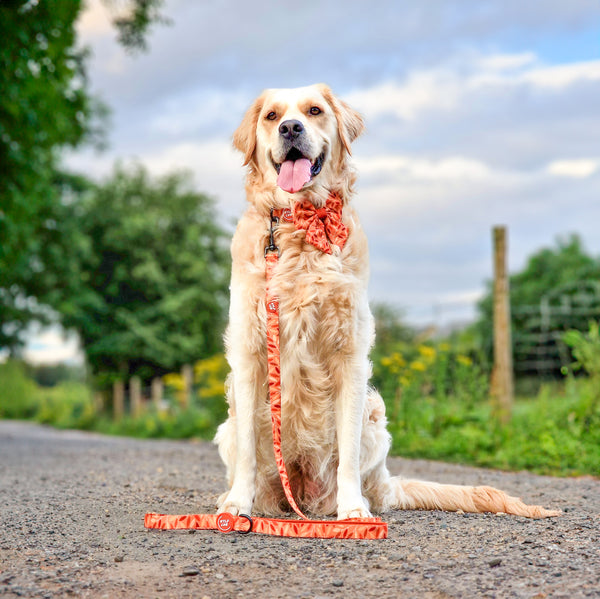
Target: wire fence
538,345
537,329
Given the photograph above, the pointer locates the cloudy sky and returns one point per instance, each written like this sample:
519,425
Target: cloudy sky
479,112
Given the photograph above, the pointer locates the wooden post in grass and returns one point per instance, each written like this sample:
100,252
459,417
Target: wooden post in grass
118,400
187,373
157,392
502,385
135,395
98,401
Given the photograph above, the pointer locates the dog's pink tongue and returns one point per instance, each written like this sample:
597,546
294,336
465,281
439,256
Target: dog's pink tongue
294,174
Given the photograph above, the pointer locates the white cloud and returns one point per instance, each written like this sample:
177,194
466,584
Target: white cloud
52,346
217,158
503,62
449,168
94,21
88,162
215,165
434,89
184,114
444,88
561,76
462,297
577,169
217,169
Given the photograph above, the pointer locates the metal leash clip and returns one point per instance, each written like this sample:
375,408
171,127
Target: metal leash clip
273,225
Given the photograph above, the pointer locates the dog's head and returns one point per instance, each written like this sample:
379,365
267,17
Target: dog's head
294,138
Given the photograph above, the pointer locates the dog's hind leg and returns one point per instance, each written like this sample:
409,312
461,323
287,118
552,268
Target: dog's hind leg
393,492
386,492
415,494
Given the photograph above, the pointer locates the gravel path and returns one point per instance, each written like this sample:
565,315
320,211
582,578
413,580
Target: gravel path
72,507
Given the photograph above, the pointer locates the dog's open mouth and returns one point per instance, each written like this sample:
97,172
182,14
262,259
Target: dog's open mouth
297,170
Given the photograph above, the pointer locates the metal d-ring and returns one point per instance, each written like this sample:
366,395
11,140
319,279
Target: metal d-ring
245,532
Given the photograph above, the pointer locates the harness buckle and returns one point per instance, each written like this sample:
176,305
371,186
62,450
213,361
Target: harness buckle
273,225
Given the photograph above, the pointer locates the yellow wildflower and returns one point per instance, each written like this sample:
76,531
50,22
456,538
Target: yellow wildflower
174,380
427,352
210,376
404,381
395,362
418,366
464,360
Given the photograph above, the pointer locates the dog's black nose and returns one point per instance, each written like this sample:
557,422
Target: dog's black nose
291,129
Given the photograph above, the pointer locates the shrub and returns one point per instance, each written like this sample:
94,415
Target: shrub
68,405
424,386
17,392
438,408
586,349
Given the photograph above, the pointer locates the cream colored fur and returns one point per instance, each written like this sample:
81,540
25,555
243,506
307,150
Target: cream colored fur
334,436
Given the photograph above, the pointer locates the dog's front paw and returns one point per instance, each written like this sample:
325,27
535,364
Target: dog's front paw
360,512
234,505
355,508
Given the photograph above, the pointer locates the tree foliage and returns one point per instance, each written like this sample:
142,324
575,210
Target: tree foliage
45,106
547,272
390,329
132,26
146,282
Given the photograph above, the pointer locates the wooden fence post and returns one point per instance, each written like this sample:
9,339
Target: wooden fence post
157,392
118,400
187,373
135,395
502,385
98,398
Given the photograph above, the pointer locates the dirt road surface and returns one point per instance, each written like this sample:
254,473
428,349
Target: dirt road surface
71,525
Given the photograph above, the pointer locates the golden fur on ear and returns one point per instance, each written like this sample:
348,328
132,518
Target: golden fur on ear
350,122
244,138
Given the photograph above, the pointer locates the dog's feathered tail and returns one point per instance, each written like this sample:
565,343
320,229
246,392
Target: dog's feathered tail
416,495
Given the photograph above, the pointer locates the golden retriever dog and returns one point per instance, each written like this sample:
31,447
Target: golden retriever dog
297,144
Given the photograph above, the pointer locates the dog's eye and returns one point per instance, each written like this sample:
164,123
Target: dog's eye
315,110
272,116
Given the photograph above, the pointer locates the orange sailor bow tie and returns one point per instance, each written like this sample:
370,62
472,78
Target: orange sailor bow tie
323,225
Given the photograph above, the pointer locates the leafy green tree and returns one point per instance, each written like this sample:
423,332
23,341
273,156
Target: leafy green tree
390,329
45,105
548,271
146,284
133,25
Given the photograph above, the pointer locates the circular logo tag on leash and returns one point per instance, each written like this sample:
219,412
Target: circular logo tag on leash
225,522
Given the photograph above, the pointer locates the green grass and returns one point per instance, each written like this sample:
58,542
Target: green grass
437,408
557,433
70,405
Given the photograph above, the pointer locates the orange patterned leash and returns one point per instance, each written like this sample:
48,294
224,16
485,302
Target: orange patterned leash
366,528
355,528
272,304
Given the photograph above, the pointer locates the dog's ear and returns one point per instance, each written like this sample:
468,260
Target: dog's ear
350,123
244,138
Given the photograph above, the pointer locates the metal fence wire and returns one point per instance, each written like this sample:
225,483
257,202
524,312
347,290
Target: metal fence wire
538,330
